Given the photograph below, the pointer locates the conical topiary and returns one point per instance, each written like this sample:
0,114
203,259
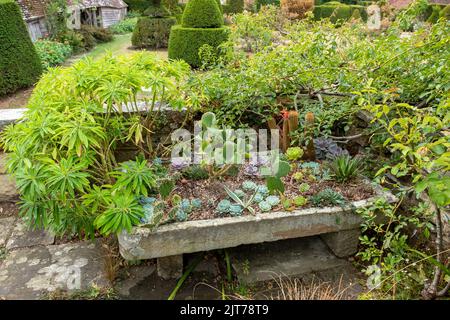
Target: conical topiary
202,14
202,24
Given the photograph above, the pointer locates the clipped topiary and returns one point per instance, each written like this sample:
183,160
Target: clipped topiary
153,30
202,24
233,6
202,14
20,65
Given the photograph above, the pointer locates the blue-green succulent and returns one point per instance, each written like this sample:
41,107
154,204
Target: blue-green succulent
196,203
264,206
223,206
181,215
258,197
236,210
186,205
273,200
249,185
262,189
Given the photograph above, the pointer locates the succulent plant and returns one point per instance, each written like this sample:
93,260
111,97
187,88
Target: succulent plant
249,185
262,189
147,200
327,197
195,172
304,187
264,206
236,210
180,163
196,203
185,205
273,200
239,193
298,176
327,149
294,153
181,215
258,198
223,206
300,201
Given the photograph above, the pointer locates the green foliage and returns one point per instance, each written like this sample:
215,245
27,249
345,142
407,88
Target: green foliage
138,5
195,172
19,63
327,197
56,15
384,243
261,3
294,153
202,24
244,203
124,26
100,35
152,32
202,14
345,168
166,187
63,154
339,12
157,11
233,6
123,213
52,53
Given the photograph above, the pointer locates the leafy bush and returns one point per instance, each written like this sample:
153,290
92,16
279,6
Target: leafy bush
63,154
52,53
202,24
19,63
124,26
100,35
337,11
233,6
261,3
152,32
75,40
138,5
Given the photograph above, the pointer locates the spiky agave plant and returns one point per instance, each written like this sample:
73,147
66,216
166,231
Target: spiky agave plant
345,168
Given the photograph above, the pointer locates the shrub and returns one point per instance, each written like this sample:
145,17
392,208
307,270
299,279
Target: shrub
138,5
184,43
202,14
69,138
152,32
124,26
337,11
295,9
445,13
260,3
52,53
233,6
202,24
99,34
19,63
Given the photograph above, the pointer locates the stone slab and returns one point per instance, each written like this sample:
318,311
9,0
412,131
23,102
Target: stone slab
30,273
8,190
170,267
135,276
22,237
343,243
6,227
2,163
287,258
205,235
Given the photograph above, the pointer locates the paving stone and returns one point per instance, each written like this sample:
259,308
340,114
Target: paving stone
22,236
266,261
2,163
8,190
135,275
29,273
6,226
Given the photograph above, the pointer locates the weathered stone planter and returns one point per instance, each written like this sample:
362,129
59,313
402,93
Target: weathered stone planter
339,227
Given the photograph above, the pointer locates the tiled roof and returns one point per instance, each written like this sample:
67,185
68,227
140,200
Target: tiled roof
32,8
36,8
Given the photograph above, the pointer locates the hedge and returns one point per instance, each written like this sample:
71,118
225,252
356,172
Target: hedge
260,3
152,32
233,6
184,43
138,5
20,65
202,14
337,11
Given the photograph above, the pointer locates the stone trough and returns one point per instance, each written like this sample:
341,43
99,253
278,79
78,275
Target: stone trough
339,228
